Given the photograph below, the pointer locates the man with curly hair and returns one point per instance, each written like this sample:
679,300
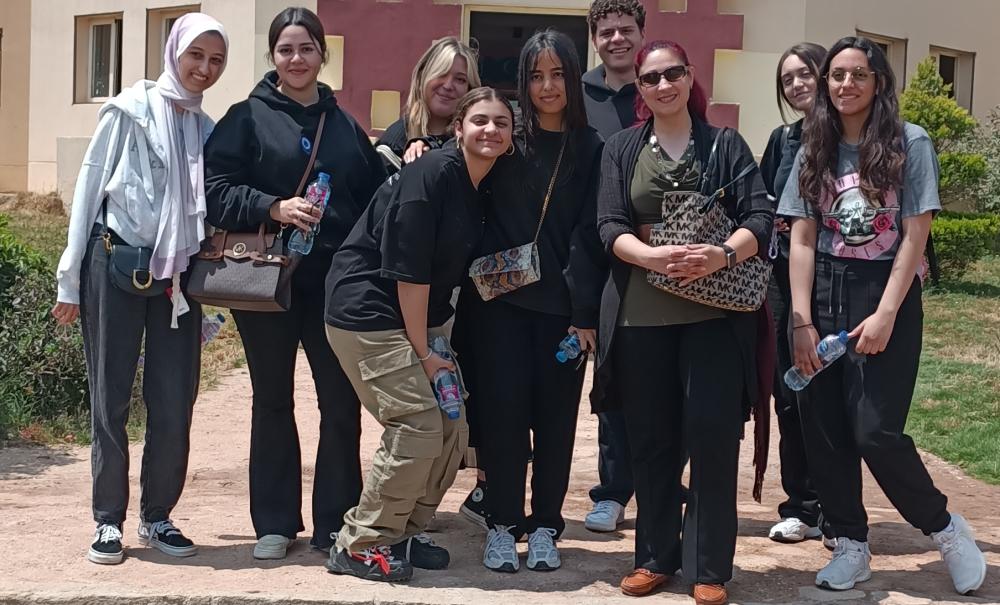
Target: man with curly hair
616,30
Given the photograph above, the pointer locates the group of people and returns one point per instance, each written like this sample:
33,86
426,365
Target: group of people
583,165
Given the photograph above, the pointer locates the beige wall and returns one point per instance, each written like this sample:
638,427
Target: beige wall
15,20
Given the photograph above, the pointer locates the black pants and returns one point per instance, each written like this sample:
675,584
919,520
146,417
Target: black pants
114,323
520,390
856,408
271,341
802,501
682,390
614,460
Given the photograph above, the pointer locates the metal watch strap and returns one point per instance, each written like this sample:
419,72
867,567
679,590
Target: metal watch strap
730,256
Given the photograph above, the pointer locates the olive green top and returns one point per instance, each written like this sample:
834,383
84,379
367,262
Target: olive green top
644,305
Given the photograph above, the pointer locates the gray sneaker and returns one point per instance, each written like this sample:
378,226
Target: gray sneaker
542,552
966,563
500,553
851,563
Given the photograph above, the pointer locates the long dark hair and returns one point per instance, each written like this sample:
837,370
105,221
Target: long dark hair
575,115
296,15
697,101
483,93
880,155
810,54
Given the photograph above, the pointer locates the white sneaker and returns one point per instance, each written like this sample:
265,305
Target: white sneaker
271,546
542,552
606,516
851,563
500,553
791,529
965,561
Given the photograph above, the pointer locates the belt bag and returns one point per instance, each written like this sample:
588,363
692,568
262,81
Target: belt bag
510,269
128,266
694,218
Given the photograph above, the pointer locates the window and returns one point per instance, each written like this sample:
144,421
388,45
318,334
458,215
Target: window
895,50
159,22
958,69
98,73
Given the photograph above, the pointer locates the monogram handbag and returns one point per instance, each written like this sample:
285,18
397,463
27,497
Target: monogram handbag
248,271
507,270
692,217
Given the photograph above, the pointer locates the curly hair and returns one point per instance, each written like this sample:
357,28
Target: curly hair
880,157
600,9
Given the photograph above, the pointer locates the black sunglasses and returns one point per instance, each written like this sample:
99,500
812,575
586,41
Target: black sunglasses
672,74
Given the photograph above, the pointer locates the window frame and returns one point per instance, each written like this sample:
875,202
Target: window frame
965,69
83,64
897,55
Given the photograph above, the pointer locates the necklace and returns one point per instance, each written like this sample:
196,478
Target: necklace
683,162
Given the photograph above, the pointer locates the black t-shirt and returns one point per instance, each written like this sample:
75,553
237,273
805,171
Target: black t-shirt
421,228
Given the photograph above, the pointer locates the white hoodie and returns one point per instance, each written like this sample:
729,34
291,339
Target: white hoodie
133,182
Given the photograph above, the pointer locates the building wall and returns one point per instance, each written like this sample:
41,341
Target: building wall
15,20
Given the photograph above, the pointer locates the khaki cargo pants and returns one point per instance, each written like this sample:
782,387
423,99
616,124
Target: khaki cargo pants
421,448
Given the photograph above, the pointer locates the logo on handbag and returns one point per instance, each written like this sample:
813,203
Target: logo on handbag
239,248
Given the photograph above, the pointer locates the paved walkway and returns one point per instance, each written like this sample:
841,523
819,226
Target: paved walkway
46,527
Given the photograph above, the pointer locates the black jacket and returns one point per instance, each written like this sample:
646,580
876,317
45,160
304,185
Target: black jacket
776,165
258,152
608,111
745,202
395,138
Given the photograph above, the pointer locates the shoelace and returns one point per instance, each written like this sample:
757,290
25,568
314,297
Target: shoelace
949,543
542,539
379,555
165,527
842,550
108,533
500,539
606,507
423,538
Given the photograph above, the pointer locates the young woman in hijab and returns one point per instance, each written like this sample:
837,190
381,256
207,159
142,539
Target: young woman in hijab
142,184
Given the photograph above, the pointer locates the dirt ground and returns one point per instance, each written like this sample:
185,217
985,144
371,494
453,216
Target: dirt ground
46,526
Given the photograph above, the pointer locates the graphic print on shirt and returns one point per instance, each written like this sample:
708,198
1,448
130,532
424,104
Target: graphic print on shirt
862,228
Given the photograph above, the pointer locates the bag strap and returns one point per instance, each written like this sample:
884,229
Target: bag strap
552,184
721,191
312,156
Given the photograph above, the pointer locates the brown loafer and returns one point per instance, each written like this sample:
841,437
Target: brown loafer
710,594
641,582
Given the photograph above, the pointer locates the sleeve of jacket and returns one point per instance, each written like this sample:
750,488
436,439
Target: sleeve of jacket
754,210
230,156
588,263
613,215
770,161
376,170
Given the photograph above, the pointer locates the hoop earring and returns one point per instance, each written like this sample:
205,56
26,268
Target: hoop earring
510,150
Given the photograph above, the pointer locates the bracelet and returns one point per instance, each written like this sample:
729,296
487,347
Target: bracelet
426,357
802,326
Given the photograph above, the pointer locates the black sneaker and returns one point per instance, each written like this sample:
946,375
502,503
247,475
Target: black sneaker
166,538
474,507
376,563
107,546
421,551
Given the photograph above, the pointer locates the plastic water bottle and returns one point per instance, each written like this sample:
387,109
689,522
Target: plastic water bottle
829,350
446,385
211,325
317,194
569,348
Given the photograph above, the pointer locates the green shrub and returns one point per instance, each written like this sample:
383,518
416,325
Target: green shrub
962,239
986,143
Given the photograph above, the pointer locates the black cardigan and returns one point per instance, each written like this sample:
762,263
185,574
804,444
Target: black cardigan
776,166
746,204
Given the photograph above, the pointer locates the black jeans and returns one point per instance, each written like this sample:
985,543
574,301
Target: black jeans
614,460
521,391
802,501
856,408
114,323
271,341
682,388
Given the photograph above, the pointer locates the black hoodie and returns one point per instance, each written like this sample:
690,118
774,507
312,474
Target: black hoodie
608,111
258,152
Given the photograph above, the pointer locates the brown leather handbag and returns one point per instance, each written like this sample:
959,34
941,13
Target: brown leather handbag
248,271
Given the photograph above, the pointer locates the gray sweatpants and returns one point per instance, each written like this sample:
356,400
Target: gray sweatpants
113,326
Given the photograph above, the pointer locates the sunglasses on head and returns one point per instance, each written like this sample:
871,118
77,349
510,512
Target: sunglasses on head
672,74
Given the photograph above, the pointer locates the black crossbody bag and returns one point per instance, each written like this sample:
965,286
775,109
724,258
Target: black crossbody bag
128,266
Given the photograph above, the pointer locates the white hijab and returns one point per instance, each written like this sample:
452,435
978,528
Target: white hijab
182,217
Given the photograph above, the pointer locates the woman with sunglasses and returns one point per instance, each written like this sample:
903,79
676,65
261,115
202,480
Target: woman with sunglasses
798,74
685,372
520,390
862,195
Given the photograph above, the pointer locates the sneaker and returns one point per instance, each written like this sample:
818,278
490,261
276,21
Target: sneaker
474,507
829,543
606,516
500,553
791,530
421,551
376,563
965,561
271,546
107,546
166,538
850,564
542,552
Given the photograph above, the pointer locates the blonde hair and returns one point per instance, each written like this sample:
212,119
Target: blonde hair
436,62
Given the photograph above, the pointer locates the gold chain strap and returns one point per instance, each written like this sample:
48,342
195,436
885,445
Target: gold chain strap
552,184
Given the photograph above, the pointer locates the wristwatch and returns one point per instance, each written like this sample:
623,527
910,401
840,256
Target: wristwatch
730,256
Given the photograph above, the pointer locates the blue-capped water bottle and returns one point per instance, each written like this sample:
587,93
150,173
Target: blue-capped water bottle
317,194
211,325
829,350
446,386
569,348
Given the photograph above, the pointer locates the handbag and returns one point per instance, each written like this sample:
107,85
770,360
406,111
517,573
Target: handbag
128,266
510,269
692,217
248,271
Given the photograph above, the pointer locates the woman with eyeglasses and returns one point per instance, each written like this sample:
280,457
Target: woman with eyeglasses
685,372
798,74
861,196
